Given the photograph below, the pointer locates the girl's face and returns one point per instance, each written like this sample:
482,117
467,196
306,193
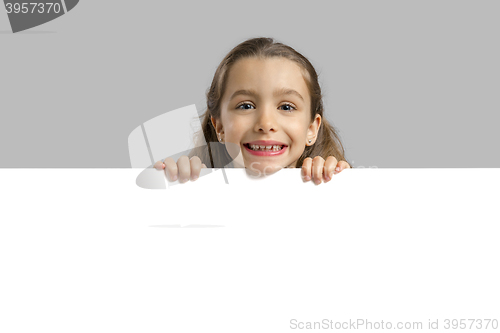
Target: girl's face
265,114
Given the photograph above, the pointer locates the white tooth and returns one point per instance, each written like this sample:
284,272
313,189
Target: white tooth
271,147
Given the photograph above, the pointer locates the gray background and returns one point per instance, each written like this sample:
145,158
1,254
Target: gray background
406,83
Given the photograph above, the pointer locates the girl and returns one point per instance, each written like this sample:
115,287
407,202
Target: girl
265,110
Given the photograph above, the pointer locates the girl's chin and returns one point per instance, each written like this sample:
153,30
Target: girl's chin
262,169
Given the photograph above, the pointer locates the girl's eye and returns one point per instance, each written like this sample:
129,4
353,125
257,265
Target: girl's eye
245,106
288,107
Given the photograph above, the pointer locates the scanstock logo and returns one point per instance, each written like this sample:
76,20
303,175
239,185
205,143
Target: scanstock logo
27,14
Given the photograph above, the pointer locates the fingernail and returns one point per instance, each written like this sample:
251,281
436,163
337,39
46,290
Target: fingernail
183,180
327,178
195,177
307,178
317,181
174,178
338,169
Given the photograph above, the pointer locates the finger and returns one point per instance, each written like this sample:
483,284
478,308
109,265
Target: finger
329,168
203,166
195,167
170,169
341,165
184,166
159,165
306,169
318,164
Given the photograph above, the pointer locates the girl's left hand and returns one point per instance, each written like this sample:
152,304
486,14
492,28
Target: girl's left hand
318,169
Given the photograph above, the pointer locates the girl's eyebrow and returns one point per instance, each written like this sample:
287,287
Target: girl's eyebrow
277,92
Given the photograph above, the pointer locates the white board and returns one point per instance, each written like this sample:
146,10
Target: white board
88,250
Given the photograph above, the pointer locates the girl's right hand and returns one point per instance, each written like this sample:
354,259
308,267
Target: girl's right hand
184,170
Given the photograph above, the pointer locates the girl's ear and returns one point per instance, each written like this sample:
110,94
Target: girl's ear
217,125
218,128
312,131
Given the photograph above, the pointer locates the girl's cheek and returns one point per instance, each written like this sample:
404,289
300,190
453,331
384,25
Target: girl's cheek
233,149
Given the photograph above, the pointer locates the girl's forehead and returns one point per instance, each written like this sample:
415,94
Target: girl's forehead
274,65
276,72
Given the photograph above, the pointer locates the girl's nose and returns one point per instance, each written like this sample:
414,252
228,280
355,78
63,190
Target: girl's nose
266,121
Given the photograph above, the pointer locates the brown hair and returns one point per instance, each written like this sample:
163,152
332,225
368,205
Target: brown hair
327,142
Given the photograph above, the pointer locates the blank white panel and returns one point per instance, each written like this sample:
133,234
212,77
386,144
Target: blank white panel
87,250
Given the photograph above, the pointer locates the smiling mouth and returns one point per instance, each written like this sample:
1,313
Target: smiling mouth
269,148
